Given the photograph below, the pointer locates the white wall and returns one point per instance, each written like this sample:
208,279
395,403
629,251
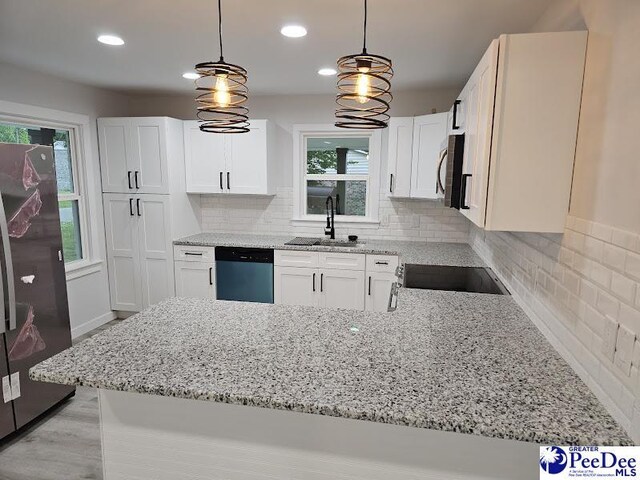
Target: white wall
574,284
400,219
89,303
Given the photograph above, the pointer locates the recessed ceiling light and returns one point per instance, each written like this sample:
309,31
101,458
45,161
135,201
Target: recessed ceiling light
327,72
190,75
110,40
293,31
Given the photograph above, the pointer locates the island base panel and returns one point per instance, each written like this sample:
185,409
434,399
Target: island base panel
166,438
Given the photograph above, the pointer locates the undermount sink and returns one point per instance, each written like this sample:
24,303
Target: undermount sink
313,241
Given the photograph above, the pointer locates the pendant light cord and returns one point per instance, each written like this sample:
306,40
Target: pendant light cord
364,35
220,29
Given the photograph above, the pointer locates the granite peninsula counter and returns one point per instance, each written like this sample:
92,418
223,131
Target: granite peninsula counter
455,362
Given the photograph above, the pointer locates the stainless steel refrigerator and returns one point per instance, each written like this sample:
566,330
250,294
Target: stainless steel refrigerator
36,315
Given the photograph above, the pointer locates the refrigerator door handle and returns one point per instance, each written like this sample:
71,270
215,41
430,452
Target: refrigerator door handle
11,287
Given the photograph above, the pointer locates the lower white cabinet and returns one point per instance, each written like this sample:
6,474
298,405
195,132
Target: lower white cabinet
342,289
378,291
139,232
195,279
296,285
334,280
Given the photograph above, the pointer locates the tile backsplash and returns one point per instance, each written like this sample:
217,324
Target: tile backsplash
411,220
582,290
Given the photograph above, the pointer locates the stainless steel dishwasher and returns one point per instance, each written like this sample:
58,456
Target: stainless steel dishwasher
244,274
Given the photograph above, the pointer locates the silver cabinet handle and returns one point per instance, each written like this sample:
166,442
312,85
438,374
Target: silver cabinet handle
129,179
314,282
439,185
138,207
382,263
195,254
11,287
369,293
228,181
131,207
221,187
135,177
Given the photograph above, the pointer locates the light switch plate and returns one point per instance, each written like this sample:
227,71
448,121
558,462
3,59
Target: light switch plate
15,385
624,349
7,396
610,337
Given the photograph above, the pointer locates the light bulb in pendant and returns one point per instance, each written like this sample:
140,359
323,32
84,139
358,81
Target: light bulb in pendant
221,95
363,88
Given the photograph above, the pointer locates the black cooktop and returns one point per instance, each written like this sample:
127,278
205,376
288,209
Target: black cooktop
456,279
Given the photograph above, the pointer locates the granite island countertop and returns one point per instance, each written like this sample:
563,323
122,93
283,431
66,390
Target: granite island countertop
459,362
427,253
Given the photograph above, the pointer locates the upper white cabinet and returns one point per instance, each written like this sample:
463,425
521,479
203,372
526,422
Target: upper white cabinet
139,154
415,144
229,163
519,112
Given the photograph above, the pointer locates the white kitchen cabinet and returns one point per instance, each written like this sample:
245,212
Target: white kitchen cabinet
413,154
195,279
341,289
123,252
140,230
296,285
519,113
399,156
240,164
378,291
140,154
429,132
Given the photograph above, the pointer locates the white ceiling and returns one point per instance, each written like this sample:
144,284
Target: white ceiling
432,43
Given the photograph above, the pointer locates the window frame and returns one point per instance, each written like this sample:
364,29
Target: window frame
301,133
78,127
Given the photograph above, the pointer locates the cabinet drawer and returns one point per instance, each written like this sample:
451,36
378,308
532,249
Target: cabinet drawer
295,258
342,261
382,263
188,253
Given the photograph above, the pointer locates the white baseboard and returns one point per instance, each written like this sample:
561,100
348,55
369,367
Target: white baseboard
560,343
91,324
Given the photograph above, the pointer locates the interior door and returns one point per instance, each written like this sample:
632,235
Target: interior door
429,132
296,286
478,119
7,424
156,252
148,157
195,279
342,289
399,157
121,228
204,160
247,164
115,146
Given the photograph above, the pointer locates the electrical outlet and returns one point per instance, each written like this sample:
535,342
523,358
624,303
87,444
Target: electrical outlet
624,349
610,337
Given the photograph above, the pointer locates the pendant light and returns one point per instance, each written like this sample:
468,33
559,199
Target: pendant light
364,88
222,89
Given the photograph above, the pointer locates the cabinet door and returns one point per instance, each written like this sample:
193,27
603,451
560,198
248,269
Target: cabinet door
399,156
148,158
296,286
342,289
379,291
204,160
429,135
121,228
247,164
115,150
195,279
478,101
156,253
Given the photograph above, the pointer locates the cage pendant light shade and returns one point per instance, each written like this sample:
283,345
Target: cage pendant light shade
364,88
222,92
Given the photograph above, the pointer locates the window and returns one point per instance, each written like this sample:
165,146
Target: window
329,162
69,196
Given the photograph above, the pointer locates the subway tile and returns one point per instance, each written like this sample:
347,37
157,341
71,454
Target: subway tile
632,265
623,287
630,317
600,274
601,231
614,257
593,248
607,304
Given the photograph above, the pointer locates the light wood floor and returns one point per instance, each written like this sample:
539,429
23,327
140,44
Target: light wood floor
65,445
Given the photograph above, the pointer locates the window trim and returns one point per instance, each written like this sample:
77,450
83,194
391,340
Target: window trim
300,133
83,170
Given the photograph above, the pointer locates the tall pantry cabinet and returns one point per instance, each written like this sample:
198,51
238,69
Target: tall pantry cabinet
145,206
